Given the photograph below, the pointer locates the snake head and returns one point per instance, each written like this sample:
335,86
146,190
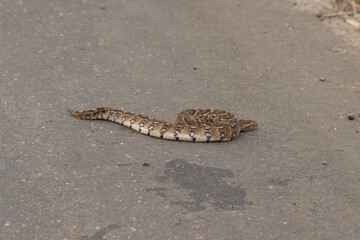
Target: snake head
247,125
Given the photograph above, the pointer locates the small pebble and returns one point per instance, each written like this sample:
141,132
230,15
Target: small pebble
145,164
266,31
351,116
322,79
325,163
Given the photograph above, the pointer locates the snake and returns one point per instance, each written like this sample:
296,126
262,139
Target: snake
191,125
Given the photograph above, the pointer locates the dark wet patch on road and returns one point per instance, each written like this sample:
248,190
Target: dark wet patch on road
207,186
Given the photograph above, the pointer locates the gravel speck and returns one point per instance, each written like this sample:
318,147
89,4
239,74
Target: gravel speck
351,116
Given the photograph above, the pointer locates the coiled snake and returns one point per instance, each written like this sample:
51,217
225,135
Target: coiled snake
192,125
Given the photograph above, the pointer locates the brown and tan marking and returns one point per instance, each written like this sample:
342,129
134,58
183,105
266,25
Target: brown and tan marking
191,125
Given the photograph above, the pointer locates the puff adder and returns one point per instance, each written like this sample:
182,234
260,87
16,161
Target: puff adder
191,125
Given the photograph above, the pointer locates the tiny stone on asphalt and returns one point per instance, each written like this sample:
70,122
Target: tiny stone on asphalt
322,79
146,164
351,116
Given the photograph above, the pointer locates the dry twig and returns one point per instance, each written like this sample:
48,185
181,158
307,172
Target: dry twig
337,14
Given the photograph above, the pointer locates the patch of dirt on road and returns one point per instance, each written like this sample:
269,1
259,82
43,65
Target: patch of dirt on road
344,30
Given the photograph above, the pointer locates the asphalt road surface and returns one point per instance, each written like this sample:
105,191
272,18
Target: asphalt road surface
296,177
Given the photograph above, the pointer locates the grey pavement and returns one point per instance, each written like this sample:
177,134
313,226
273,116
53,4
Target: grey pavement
296,177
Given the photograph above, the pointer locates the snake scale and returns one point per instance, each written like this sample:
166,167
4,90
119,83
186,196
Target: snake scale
191,125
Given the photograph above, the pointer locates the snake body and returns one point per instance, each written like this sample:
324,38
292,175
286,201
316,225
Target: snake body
191,125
